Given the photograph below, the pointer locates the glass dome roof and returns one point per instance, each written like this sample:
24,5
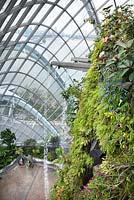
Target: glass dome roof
33,34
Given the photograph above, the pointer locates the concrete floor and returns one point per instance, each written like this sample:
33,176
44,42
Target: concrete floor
23,183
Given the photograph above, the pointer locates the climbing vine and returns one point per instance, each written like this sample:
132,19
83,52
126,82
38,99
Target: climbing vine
72,96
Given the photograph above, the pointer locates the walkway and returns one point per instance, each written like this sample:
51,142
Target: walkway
25,184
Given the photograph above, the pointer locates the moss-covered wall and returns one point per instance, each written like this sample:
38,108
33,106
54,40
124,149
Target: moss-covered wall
106,113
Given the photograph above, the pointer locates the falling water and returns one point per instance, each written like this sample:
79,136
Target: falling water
46,181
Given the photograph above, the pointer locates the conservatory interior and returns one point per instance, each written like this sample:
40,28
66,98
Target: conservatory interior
66,100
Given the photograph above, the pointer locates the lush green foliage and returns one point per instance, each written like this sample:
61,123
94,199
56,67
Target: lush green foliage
72,97
7,147
106,112
8,138
30,142
9,151
52,146
35,151
32,148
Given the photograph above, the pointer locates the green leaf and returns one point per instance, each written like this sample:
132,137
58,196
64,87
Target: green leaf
131,58
110,63
112,75
124,72
129,43
131,76
127,63
122,66
122,51
122,44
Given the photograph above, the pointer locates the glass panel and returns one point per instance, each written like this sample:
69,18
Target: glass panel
26,66
6,21
59,24
98,4
4,53
13,54
81,46
1,77
15,36
63,3
30,13
42,12
62,52
18,2
27,82
52,15
5,6
8,77
6,36
35,70
16,65
22,38
18,78
47,55
18,16
43,76
34,83
28,31
75,6
38,34
7,63
39,49
56,45
70,29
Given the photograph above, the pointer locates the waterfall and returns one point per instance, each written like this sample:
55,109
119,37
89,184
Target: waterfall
46,180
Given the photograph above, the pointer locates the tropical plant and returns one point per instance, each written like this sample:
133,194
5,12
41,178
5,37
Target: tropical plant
30,142
8,138
7,147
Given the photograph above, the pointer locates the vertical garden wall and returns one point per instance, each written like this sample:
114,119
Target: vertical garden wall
106,113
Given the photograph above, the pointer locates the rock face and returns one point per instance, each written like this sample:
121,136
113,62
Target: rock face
96,153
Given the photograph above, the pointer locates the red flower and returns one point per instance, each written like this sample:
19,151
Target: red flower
100,193
124,18
83,196
116,58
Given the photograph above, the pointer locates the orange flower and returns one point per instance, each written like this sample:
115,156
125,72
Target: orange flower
105,39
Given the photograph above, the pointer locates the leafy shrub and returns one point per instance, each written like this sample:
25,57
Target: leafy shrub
32,148
7,147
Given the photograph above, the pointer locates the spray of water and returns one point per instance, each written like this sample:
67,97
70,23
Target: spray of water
46,180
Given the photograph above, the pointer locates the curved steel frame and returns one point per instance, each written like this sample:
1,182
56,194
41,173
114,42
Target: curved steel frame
15,129
9,96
